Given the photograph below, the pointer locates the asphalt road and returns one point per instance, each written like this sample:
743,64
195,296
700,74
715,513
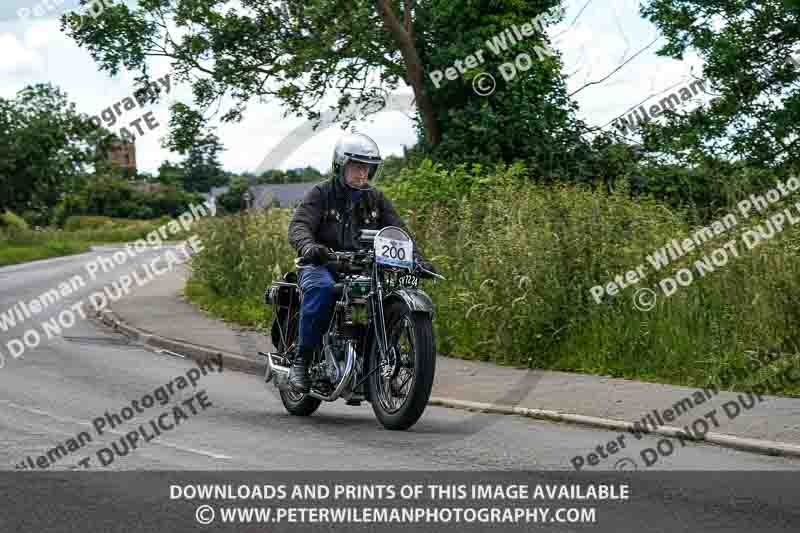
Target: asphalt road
54,392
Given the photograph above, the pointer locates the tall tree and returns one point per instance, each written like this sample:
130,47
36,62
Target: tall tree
170,173
303,52
202,169
45,147
752,61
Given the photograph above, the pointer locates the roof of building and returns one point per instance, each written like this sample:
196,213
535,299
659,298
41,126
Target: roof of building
288,194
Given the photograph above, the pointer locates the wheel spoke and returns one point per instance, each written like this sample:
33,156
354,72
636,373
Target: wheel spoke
389,395
410,335
397,370
410,375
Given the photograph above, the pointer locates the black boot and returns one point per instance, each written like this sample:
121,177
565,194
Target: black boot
299,379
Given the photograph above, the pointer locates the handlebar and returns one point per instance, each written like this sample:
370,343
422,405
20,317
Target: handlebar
343,262
339,258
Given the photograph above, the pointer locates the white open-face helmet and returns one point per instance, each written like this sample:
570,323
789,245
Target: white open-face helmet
357,147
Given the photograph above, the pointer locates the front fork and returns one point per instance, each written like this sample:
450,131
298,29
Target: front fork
376,307
376,311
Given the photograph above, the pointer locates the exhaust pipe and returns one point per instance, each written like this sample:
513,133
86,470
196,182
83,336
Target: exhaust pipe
281,373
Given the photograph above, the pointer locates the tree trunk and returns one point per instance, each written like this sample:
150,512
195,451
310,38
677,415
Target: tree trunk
414,73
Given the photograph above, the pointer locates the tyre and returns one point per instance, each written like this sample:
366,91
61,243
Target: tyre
401,386
298,404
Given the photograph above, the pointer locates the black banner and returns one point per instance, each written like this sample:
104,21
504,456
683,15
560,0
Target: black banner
399,501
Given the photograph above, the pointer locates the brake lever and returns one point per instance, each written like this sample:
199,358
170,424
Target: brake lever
434,274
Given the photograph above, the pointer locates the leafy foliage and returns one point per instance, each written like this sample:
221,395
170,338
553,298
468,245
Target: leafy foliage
202,170
111,197
748,50
18,244
353,55
293,175
529,117
170,174
45,147
232,200
520,261
11,220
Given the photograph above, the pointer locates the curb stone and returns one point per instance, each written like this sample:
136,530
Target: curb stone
195,352
764,447
243,364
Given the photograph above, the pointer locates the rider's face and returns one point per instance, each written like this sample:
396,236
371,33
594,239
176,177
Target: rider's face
356,174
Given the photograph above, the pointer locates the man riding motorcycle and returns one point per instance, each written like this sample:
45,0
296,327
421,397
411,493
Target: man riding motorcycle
332,215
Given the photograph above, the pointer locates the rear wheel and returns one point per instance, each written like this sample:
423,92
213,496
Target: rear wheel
299,404
296,403
401,386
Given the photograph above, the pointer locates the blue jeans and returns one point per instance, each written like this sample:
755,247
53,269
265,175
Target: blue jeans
316,284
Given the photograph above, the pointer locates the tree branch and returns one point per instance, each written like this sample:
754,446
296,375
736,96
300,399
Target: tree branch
616,69
413,65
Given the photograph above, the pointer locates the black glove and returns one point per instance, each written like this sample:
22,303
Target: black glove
316,254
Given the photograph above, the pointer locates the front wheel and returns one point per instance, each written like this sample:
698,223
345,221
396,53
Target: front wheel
401,386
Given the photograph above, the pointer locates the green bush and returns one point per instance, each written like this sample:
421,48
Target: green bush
75,223
88,230
110,197
231,200
13,254
78,223
520,261
10,220
243,253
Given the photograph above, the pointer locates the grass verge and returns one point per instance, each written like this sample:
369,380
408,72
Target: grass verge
20,244
12,254
249,312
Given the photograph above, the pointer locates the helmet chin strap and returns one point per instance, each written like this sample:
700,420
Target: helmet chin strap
365,188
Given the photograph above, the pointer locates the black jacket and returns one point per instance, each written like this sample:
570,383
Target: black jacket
326,216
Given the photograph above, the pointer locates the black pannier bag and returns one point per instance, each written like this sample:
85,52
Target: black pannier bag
284,296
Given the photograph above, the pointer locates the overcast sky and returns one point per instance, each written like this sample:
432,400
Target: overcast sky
607,32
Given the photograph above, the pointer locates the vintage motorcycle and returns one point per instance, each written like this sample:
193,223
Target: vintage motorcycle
379,346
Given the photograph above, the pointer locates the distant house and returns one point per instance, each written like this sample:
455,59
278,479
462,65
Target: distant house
287,194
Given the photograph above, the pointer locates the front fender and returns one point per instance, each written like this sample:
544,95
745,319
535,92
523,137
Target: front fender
415,299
